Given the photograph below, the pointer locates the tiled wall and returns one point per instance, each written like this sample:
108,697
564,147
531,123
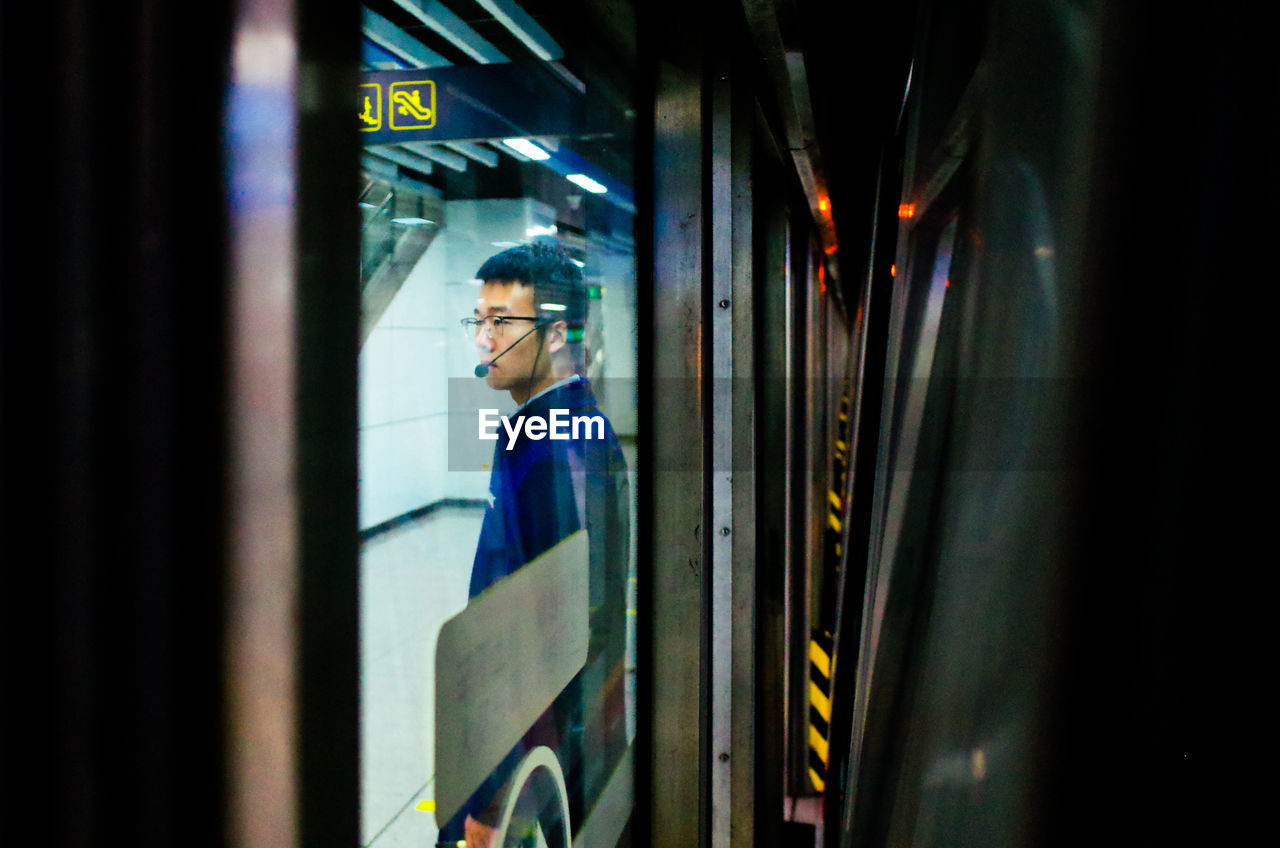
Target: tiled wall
412,353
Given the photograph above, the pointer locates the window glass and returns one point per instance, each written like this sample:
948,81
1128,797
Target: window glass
920,334
497,421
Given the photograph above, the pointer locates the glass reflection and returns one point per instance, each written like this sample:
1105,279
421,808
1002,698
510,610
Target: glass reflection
473,569
557,468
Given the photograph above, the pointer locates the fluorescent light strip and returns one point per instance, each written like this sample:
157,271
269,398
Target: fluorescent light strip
586,182
507,151
528,148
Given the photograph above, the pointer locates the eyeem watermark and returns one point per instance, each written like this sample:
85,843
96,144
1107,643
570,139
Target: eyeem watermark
558,426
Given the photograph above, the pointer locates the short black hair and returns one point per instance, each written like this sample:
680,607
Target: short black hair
548,267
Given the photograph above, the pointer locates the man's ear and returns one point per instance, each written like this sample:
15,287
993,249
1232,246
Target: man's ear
557,335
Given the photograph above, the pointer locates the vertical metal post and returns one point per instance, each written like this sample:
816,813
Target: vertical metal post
795,651
722,647
744,560
818,446
675,439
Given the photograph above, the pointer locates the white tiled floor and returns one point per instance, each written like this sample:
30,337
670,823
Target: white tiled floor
412,579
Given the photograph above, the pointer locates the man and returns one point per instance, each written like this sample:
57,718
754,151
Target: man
528,325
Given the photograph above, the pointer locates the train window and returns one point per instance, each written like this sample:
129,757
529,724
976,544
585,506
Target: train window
497,422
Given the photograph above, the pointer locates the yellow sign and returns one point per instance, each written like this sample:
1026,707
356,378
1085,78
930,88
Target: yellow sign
370,107
412,105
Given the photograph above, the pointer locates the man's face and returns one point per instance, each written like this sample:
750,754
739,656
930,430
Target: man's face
520,365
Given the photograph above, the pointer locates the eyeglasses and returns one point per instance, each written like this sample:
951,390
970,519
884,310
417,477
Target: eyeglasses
494,325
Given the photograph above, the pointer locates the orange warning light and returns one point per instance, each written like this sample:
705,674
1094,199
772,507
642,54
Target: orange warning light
906,210
824,205
893,270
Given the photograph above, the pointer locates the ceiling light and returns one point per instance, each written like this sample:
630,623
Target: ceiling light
528,148
586,182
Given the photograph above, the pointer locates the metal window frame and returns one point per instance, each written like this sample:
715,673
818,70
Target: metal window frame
291,633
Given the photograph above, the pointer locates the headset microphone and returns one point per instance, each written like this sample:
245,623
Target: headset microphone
482,369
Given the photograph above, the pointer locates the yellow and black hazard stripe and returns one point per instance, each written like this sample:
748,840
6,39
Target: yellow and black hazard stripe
819,708
820,643
839,478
